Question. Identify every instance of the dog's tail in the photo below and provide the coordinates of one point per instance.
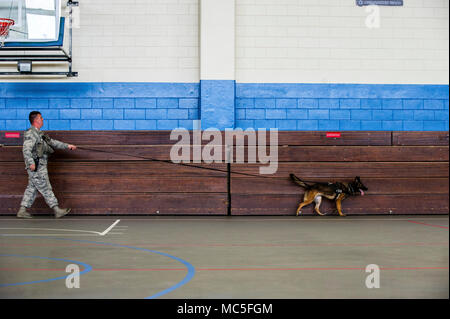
(298, 181)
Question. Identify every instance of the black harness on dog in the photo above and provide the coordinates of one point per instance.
(340, 188)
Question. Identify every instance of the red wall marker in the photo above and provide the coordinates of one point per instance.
(12, 135)
(334, 134)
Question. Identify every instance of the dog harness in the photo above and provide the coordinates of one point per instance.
(340, 188)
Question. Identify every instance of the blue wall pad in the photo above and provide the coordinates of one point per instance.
(217, 100)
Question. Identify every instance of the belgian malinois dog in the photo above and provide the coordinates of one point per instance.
(334, 191)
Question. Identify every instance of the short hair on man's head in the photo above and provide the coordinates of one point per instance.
(33, 116)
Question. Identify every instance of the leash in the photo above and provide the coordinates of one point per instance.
(170, 162)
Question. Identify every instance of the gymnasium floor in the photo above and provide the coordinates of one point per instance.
(225, 257)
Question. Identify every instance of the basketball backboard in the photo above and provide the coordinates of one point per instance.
(34, 20)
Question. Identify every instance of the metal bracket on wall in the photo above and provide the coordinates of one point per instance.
(60, 55)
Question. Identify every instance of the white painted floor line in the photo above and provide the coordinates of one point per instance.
(46, 235)
(89, 232)
(109, 228)
(52, 229)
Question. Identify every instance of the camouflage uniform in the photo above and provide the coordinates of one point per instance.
(38, 145)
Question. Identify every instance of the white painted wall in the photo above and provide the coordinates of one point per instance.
(134, 41)
(137, 40)
(297, 41)
(327, 41)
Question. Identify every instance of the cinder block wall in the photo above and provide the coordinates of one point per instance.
(327, 41)
(132, 57)
(104, 106)
(344, 107)
(137, 41)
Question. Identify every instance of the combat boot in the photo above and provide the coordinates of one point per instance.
(22, 213)
(60, 212)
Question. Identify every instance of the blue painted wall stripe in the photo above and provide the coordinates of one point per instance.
(343, 106)
(225, 104)
(217, 104)
(341, 91)
(98, 90)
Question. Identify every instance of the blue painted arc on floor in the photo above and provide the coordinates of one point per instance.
(87, 268)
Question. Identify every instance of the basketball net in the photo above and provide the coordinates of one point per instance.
(5, 24)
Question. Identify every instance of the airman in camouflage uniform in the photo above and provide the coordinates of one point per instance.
(37, 147)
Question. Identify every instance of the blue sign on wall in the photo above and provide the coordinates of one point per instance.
(379, 3)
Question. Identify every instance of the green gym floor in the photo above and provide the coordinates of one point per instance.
(224, 257)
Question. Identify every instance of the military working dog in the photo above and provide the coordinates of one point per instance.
(335, 191)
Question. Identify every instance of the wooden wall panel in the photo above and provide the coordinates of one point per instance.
(349, 153)
(278, 204)
(348, 170)
(101, 137)
(285, 154)
(100, 183)
(406, 173)
(377, 186)
(118, 168)
(420, 138)
(71, 183)
(128, 203)
(303, 138)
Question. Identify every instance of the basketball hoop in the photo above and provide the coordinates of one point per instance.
(4, 29)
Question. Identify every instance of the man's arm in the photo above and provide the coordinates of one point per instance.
(56, 144)
(59, 145)
(28, 143)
